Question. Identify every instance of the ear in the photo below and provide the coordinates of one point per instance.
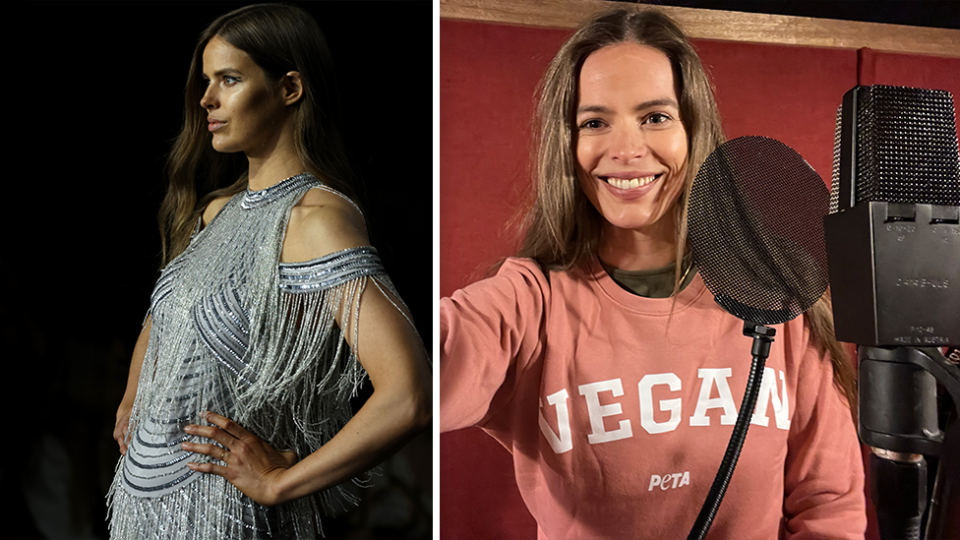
(292, 87)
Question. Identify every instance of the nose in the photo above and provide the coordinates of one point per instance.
(627, 142)
(209, 99)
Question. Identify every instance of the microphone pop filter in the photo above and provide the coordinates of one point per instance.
(755, 226)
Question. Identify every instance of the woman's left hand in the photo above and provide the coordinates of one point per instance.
(252, 465)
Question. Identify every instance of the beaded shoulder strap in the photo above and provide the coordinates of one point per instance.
(330, 270)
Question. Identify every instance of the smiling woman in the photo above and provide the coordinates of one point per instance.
(237, 421)
(631, 151)
(596, 357)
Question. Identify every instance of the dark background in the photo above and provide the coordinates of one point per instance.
(100, 92)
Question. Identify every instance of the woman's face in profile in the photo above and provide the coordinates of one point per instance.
(631, 144)
(245, 110)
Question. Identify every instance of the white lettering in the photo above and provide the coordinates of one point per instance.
(646, 403)
(654, 482)
(563, 442)
(768, 393)
(669, 481)
(676, 478)
(597, 411)
(710, 378)
(665, 482)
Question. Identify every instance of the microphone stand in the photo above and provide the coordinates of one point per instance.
(762, 336)
(901, 431)
(881, 256)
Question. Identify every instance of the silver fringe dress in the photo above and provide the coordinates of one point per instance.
(236, 332)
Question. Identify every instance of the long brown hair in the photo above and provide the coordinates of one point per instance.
(562, 227)
(279, 38)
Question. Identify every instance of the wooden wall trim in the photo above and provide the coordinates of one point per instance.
(720, 25)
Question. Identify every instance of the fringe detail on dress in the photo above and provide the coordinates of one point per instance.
(303, 374)
(209, 508)
(291, 386)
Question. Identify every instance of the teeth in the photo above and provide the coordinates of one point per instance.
(623, 183)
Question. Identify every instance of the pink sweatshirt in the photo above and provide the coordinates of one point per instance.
(617, 414)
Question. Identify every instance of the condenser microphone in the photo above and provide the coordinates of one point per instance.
(893, 250)
(893, 236)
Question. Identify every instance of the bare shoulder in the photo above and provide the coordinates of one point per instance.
(213, 208)
(320, 224)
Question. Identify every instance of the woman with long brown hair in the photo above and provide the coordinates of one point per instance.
(597, 358)
(270, 311)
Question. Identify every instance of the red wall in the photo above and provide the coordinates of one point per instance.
(488, 75)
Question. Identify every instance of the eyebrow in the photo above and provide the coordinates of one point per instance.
(642, 106)
(224, 71)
